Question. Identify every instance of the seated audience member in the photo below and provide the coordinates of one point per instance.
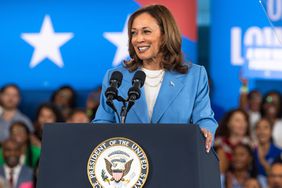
(10, 99)
(78, 116)
(15, 173)
(251, 103)
(29, 154)
(275, 175)
(46, 113)
(233, 130)
(65, 99)
(252, 183)
(265, 152)
(241, 168)
(271, 110)
(93, 102)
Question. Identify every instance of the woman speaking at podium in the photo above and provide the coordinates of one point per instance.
(173, 92)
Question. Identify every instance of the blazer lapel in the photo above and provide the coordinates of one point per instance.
(140, 106)
(169, 90)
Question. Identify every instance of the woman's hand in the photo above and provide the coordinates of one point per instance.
(208, 135)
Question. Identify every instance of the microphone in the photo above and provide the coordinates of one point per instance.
(134, 92)
(115, 81)
(112, 92)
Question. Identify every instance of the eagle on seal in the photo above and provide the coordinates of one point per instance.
(118, 169)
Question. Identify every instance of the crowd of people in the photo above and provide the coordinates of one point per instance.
(20, 137)
(248, 140)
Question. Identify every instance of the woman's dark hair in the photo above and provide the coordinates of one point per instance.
(266, 99)
(72, 100)
(223, 129)
(51, 107)
(172, 57)
(264, 119)
(269, 122)
(252, 170)
(29, 156)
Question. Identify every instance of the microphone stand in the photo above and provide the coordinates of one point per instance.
(123, 111)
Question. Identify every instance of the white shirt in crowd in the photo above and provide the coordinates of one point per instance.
(16, 173)
(277, 133)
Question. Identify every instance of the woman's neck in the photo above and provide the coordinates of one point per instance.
(265, 146)
(152, 64)
(235, 139)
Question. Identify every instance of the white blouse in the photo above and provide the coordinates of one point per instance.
(152, 87)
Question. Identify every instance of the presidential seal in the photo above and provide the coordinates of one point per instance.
(118, 163)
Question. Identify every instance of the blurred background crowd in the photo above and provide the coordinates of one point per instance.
(21, 136)
(248, 140)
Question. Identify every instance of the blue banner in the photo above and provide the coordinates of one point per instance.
(245, 43)
(48, 43)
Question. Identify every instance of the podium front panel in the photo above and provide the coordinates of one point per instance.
(176, 154)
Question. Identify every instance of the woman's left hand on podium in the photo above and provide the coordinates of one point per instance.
(208, 136)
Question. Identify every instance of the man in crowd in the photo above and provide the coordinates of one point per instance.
(14, 173)
(10, 99)
(275, 175)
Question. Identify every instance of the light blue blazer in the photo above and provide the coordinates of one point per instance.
(182, 99)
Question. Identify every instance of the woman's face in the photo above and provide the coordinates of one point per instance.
(241, 158)
(19, 134)
(263, 131)
(79, 117)
(63, 97)
(255, 101)
(46, 116)
(252, 183)
(270, 110)
(146, 37)
(238, 124)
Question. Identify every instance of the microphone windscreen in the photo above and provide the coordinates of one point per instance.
(140, 76)
(117, 76)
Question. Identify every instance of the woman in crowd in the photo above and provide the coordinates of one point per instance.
(242, 167)
(78, 116)
(233, 130)
(64, 99)
(271, 110)
(46, 113)
(252, 183)
(266, 151)
(251, 103)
